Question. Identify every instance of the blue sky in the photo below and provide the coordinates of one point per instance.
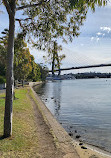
(93, 46)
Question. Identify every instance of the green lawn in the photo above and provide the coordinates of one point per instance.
(23, 142)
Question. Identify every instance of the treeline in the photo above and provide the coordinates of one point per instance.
(25, 67)
(92, 75)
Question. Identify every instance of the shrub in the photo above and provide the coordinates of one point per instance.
(2, 80)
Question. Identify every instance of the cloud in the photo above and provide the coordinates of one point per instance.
(99, 33)
(92, 38)
(82, 44)
(97, 39)
(107, 29)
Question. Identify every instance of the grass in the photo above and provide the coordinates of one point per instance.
(24, 142)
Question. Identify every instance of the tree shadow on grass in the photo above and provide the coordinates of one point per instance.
(2, 137)
(6, 137)
(2, 97)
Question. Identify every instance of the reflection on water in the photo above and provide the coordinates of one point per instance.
(57, 98)
(83, 106)
(51, 94)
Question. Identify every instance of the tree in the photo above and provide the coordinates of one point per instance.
(44, 71)
(35, 74)
(3, 52)
(2, 61)
(23, 65)
(45, 19)
(23, 61)
(53, 56)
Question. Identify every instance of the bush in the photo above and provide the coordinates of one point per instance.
(2, 80)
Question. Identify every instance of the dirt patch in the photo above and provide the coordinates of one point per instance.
(47, 147)
(93, 156)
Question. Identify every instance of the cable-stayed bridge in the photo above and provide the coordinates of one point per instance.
(82, 67)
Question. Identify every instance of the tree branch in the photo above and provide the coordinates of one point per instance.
(8, 7)
(23, 19)
(19, 20)
(31, 5)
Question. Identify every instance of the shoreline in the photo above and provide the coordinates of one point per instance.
(91, 151)
(99, 149)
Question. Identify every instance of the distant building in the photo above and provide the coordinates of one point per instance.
(2, 86)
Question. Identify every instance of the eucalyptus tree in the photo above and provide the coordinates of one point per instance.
(3, 52)
(53, 57)
(2, 61)
(42, 19)
(73, 17)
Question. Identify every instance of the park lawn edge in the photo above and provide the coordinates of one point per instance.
(24, 141)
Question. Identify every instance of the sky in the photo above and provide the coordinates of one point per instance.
(93, 46)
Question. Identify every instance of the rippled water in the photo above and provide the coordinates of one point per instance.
(83, 106)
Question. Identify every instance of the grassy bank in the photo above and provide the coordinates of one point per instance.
(24, 142)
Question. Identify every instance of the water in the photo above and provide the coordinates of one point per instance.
(83, 106)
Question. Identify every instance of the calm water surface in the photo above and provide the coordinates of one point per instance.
(83, 106)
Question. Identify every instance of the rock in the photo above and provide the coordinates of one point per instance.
(78, 136)
(52, 97)
(70, 134)
(93, 156)
(70, 126)
(80, 143)
(75, 131)
(83, 147)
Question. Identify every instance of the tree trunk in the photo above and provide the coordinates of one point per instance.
(9, 76)
(53, 64)
(58, 63)
(23, 83)
(59, 72)
(53, 60)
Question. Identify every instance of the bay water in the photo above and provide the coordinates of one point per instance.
(82, 106)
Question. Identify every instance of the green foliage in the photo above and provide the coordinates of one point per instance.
(2, 79)
(88, 3)
(44, 71)
(52, 20)
(35, 74)
(24, 65)
(53, 56)
(3, 53)
(56, 20)
(2, 70)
